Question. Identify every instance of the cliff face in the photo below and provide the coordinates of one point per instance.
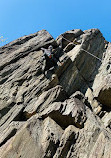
(65, 115)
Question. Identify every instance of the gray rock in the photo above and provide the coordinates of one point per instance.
(36, 139)
(96, 106)
(68, 138)
(107, 119)
(55, 94)
(91, 140)
(101, 149)
(70, 112)
(69, 35)
(102, 82)
(80, 79)
(14, 114)
(10, 131)
(21, 79)
(69, 47)
(50, 117)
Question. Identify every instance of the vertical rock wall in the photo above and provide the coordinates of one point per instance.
(65, 115)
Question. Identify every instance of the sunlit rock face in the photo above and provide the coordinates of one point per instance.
(64, 114)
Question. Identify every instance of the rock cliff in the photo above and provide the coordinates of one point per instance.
(64, 115)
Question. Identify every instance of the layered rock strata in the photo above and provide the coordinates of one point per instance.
(64, 115)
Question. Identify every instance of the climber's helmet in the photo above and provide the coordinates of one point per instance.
(50, 47)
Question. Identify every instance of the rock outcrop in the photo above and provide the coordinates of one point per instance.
(65, 114)
(102, 82)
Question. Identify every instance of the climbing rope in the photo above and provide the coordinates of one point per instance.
(83, 50)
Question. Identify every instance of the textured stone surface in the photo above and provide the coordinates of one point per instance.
(36, 139)
(89, 142)
(45, 99)
(10, 131)
(81, 78)
(64, 115)
(68, 138)
(70, 112)
(107, 120)
(96, 106)
(102, 147)
(69, 35)
(20, 75)
(102, 82)
(15, 114)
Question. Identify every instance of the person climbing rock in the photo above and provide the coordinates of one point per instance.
(48, 59)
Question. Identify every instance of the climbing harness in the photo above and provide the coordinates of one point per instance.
(83, 49)
(49, 55)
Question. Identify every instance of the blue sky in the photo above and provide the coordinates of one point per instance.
(22, 17)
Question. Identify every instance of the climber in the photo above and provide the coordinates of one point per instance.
(48, 59)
